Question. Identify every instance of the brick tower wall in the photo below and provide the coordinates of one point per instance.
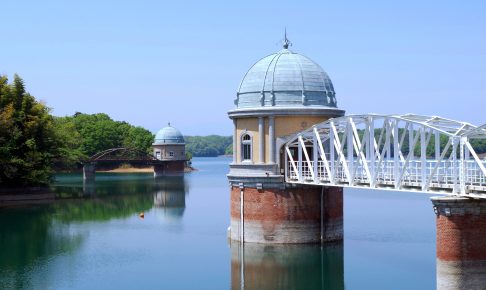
(291, 215)
(461, 243)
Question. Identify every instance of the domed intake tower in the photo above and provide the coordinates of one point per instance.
(169, 146)
(286, 79)
(281, 94)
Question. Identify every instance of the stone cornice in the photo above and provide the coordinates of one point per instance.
(455, 205)
(286, 111)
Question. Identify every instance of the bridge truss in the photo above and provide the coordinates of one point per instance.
(123, 154)
(397, 152)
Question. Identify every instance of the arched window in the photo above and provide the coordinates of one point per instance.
(246, 147)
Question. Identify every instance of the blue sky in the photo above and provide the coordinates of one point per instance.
(150, 62)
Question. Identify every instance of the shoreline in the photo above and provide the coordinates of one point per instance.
(141, 170)
(25, 196)
(35, 195)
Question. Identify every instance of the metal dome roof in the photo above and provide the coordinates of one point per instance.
(285, 79)
(168, 135)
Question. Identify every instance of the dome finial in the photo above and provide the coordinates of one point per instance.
(287, 42)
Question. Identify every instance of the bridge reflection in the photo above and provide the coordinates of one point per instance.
(167, 193)
(263, 266)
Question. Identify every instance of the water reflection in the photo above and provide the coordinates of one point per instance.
(31, 236)
(89, 187)
(71, 185)
(120, 195)
(260, 266)
(34, 235)
(170, 196)
(97, 240)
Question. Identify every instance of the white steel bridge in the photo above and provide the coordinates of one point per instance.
(373, 151)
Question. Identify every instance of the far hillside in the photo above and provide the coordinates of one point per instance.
(209, 146)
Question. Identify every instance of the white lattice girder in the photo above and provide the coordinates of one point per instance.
(375, 159)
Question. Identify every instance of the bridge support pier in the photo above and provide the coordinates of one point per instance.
(293, 215)
(461, 242)
(89, 170)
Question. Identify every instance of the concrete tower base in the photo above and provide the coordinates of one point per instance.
(304, 214)
(169, 168)
(461, 242)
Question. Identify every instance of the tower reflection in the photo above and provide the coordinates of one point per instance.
(263, 266)
(170, 196)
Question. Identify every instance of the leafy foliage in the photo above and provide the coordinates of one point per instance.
(84, 135)
(69, 151)
(28, 140)
(208, 146)
(479, 145)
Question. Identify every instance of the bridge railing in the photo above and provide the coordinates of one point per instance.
(349, 151)
(444, 177)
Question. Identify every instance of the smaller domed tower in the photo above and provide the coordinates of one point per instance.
(169, 146)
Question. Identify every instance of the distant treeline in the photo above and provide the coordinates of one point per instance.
(479, 145)
(209, 146)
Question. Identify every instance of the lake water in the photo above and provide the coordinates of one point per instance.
(96, 239)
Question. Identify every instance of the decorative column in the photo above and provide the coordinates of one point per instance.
(271, 138)
(461, 242)
(234, 141)
(261, 138)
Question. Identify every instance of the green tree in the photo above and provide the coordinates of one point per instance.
(188, 155)
(136, 137)
(69, 149)
(98, 132)
(83, 135)
(27, 137)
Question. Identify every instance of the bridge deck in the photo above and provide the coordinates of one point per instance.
(340, 153)
(445, 181)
